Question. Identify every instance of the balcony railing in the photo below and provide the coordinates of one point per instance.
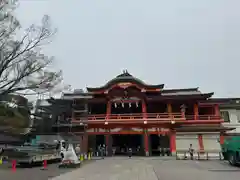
(203, 117)
(149, 117)
(135, 116)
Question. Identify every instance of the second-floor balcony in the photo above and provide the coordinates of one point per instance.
(149, 118)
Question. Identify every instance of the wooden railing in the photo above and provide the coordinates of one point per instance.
(150, 117)
(203, 117)
(136, 116)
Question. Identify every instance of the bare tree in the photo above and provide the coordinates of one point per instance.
(23, 67)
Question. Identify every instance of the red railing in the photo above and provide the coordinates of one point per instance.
(149, 117)
(136, 116)
(203, 117)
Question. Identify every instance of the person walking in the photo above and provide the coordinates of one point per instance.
(130, 152)
(102, 152)
(191, 151)
(114, 151)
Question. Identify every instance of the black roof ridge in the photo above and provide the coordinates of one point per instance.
(200, 94)
(225, 98)
(181, 89)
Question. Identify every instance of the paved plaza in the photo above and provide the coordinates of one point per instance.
(122, 168)
(137, 168)
(34, 173)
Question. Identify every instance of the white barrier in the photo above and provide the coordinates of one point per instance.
(199, 155)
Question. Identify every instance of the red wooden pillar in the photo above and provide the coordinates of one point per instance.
(196, 112)
(146, 142)
(200, 142)
(144, 109)
(216, 110)
(221, 138)
(106, 139)
(169, 110)
(173, 142)
(108, 142)
(145, 135)
(109, 109)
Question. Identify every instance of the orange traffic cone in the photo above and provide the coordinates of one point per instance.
(44, 165)
(14, 164)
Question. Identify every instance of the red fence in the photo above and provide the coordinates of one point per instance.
(149, 117)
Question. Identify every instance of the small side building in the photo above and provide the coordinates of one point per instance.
(230, 112)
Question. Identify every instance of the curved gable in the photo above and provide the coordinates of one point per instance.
(125, 80)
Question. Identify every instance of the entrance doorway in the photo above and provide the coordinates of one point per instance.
(160, 145)
(121, 143)
(100, 140)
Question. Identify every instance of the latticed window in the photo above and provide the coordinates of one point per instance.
(225, 116)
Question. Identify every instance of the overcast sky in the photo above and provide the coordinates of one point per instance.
(181, 43)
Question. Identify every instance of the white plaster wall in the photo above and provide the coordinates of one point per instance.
(234, 116)
(183, 141)
(211, 142)
(212, 145)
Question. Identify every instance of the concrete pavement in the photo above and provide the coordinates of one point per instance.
(122, 168)
(197, 170)
(34, 173)
(114, 168)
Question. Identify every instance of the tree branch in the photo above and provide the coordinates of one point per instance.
(22, 65)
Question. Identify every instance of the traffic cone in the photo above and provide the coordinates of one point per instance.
(81, 157)
(44, 165)
(14, 164)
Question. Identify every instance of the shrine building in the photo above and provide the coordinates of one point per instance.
(126, 112)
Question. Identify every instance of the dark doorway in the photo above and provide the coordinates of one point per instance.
(155, 144)
(100, 140)
(121, 143)
(160, 145)
(92, 142)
